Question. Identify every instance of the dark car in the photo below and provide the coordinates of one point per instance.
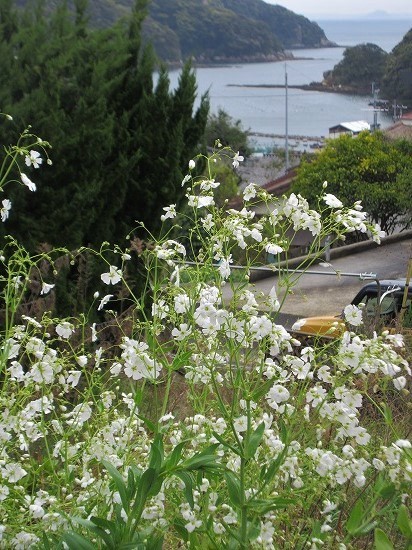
(381, 303)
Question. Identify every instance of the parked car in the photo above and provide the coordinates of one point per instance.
(381, 303)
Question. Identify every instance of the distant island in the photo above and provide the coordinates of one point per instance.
(363, 65)
(366, 63)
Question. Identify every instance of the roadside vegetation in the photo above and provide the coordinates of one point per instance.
(375, 170)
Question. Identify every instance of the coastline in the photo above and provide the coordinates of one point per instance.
(312, 87)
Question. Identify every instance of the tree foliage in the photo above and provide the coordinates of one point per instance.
(397, 82)
(120, 140)
(368, 167)
(361, 65)
(229, 132)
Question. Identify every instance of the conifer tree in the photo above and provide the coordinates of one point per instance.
(120, 143)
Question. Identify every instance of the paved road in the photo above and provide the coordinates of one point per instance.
(329, 294)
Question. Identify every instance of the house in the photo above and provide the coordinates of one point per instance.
(402, 129)
(406, 119)
(351, 128)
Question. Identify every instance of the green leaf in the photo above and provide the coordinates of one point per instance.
(149, 424)
(99, 530)
(381, 541)
(387, 491)
(181, 359)
(175, 456)
(233, 487)
(254, 441)
(144, 486)
(119, 484)
(106, 524)
(270, 473)
(77, 542)
(387, 414)
(263, 506)
(207, 457)
(283, 430)
(404, 522)
(156, 453)
(181, 530)
(261, 390)
(154, 543)
(226, 444)
(366, 528)
(188, 481)
(355, 518)
(253, 530)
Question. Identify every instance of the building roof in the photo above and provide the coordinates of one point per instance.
(399, 130)
(356, 126)
(407, 116)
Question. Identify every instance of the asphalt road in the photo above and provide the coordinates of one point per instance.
(314, 294)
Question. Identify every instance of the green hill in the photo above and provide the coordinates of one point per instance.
(213, 30)
(361, 65)
(397, 79)
(366, 63)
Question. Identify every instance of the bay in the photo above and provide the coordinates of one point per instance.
(310, 113)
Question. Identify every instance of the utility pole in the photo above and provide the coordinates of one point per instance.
(375, 111)
(286, 122)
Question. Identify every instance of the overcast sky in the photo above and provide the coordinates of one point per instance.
(315, 8)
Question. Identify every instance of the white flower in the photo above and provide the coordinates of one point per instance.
(249, 192)
(273, 248)
(399, 382)
(13, 472)
(4, 493)
(46, 288)
(5, 209)
(297, 325)
(377, 233)
(36, 511)
(42, 372)
(332, 201)
(224, 267)
(33, 159)
(192, 164)
(94, 332)
(104, 301)
(200, 202)
(353, 315)
(113, 276)
(73, 378)
(277, 394)
(272, 300)
(65, 329)
(27, 182)
(81, 360)
(182, 332)
(236, 159)
(115, 369)
(170, 212)
(240, 424)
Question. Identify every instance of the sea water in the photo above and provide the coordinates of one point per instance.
(311, 114)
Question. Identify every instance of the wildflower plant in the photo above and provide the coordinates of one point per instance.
(206, 424)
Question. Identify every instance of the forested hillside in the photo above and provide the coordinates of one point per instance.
(361, 65)
(212, 30)
(397, 80)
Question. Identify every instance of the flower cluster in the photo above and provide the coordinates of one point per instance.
(206, 420)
